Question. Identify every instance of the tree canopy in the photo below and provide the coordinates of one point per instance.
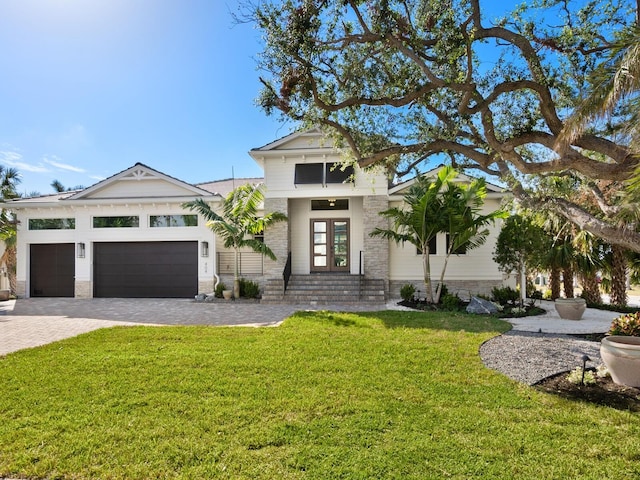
(402, 83)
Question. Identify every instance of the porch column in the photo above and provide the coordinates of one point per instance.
(276, 237)
(376, 249)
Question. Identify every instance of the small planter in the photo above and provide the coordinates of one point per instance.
(226, 294)
(5, 295)
(571, 308)
(621, 355)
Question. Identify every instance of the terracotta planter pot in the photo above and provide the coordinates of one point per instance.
(571, 308)
(621, 355)
(226, 294)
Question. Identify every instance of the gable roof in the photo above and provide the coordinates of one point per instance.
(462, 178)
(141, 173)
(276, 144)
(225, 186)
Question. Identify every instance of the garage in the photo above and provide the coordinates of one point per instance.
(145, 269)
(52, 270)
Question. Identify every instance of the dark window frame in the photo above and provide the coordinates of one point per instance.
(171, 220)
(52, 223)
(111, 221)
(433, 247)
(308, 174)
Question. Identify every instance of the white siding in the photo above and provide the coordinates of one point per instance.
(477, 264)
(129, 188)
(279, 179)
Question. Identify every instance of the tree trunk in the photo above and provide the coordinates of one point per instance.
(567, 280)
(426, 266)
(554, 282)
(590, 288)
(618, 276)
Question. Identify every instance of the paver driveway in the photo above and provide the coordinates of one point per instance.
(37, 321)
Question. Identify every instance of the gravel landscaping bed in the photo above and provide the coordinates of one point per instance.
(530, 357)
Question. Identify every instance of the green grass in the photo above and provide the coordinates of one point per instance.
(326, 395)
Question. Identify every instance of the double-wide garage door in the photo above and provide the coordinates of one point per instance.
(145, 269)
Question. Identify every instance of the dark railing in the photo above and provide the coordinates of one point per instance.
(361, 274)
(286, 274)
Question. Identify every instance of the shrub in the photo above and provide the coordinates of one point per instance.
(249, 289)
(219, 288)
(407, 292)
(505, 295)
(450, 302)
(628, 324)
(443, 292)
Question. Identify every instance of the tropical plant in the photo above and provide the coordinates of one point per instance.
(237, 222)
(628, 324)
(520, 245)
(9, 179)
(249, 288)
(402, 83)
(407, 292)
(439, 205)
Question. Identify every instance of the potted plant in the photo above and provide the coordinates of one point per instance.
(620, 350)
(571, 308)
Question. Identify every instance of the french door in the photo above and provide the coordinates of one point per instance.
(330, 245)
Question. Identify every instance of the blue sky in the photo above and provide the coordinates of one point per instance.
(90, 87)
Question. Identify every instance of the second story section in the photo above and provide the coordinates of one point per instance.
(306, 164)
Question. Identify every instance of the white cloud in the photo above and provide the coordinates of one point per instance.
(97, 177)
(14, 159)
(54, 162)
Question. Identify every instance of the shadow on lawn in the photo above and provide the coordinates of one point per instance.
(438, 320)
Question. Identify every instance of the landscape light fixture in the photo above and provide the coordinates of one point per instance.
(585, 359)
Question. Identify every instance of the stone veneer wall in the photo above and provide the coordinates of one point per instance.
(205, 286)
(83, 289)
(463, 288)
(276, 237)
(21, 289)
(376, 249)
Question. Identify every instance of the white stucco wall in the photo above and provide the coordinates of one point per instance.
(85, 233)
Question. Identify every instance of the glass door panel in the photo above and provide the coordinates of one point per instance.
(329, 245)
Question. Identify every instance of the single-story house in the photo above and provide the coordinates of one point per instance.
(128, 235)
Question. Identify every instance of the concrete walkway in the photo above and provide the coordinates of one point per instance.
(593, 321)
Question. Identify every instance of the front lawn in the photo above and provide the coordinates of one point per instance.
(326, 395)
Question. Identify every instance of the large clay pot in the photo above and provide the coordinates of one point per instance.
(571, 308)
(227, 294)
(621, 355)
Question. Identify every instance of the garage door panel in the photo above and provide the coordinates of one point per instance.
(52, 270)
(146, 269)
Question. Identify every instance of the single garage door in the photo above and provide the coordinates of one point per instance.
(145, 269)
(52, 270)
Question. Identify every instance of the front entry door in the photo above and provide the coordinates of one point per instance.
(330, 245)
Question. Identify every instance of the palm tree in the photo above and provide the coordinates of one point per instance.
(238, 221)
(615, 79)
(9, 179)
(439, 205)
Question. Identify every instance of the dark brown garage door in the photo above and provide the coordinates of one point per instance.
(52, 270)
(145, 269)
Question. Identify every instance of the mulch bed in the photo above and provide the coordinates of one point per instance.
(603, 392)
